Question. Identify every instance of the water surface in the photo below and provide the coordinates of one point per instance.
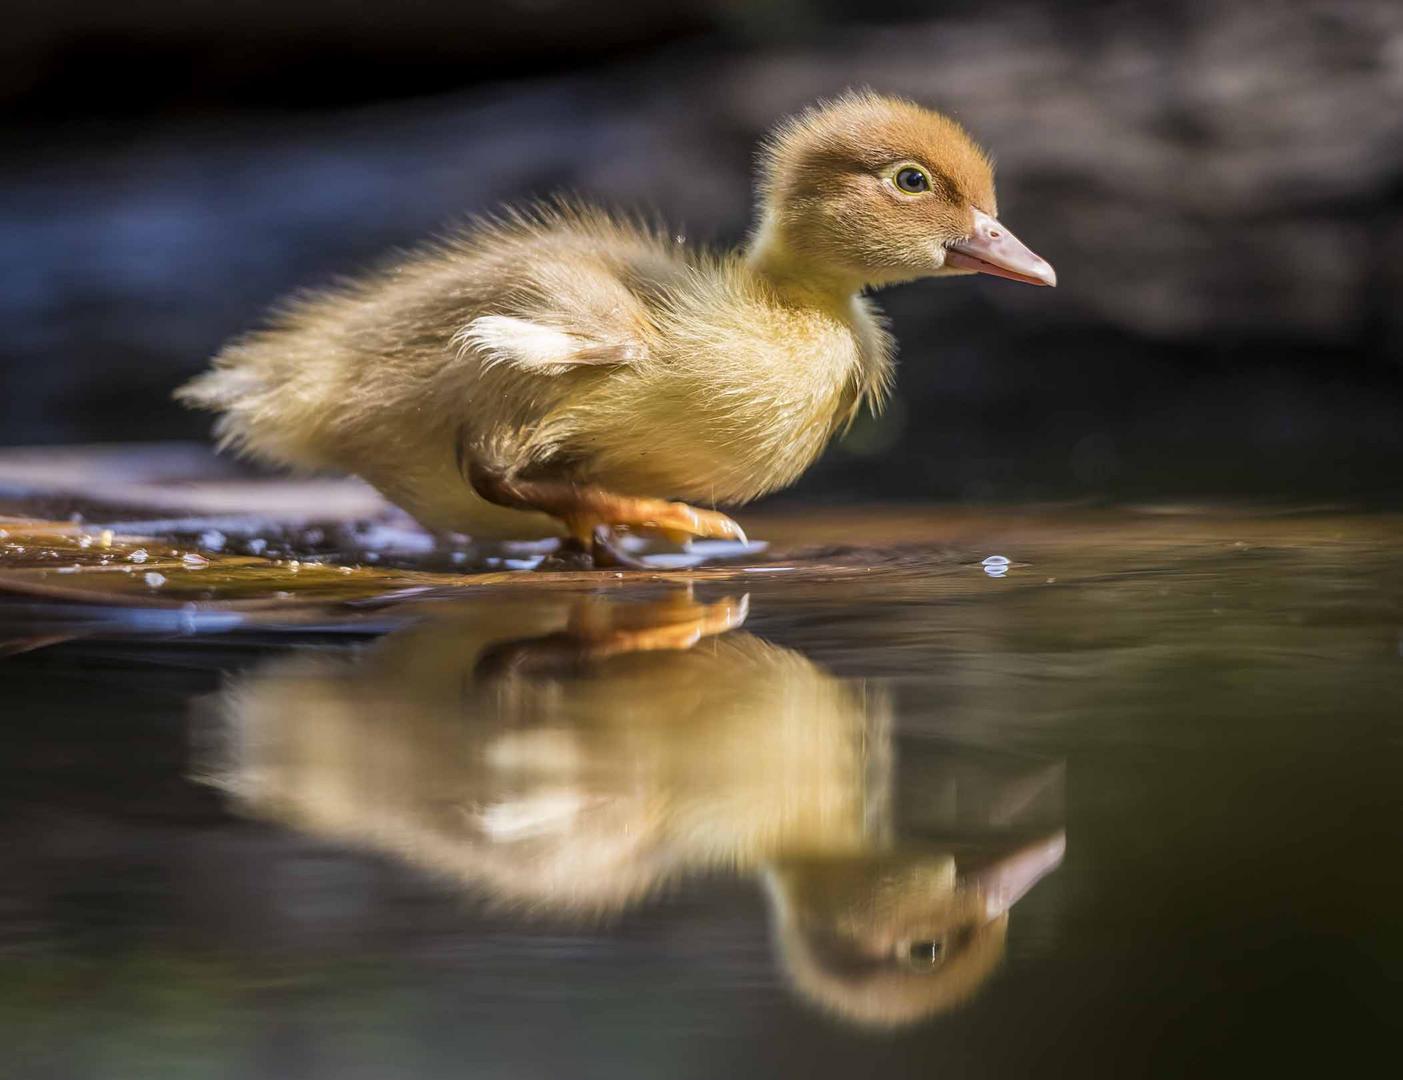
(868, 804)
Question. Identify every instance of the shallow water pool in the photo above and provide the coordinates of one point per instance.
(1126, 802)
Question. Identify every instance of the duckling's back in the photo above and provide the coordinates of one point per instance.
(337, 371)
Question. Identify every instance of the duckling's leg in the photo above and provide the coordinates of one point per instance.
(585, 507)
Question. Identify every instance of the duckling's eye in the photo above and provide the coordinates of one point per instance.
(924, 953)
(912, 180)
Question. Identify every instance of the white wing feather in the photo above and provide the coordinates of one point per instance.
(534, 346)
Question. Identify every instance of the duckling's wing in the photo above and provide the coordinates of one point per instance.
(537, 345)
(571, 287)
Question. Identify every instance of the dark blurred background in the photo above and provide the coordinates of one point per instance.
(1220, 186)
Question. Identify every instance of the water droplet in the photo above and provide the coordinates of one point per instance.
(155, 580)
(193, 561)
(105, 537)
(256, 547)
(212, 540)
(138, 556)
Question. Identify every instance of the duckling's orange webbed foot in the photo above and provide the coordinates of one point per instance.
(586, 509)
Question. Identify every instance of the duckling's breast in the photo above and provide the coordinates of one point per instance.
(736, 402)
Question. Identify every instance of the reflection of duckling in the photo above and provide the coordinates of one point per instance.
(573, 761)
(891, 938)
(557, 371)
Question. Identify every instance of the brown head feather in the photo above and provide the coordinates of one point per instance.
(827, 186)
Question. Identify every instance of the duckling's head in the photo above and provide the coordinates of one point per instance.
(871, 190)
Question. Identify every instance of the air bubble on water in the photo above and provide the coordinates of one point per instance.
(138, 556)
(192, 561)
(155, 580)
(995, 560)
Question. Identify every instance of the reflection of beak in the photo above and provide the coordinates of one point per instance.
(1005, 882)
(994, 250)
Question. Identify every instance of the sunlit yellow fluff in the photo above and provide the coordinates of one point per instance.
(565, 342)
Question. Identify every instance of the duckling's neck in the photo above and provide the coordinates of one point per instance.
(794, 277)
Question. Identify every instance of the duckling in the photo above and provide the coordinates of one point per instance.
(563, 371)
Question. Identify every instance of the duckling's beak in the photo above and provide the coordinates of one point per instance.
(994, 250)
(1004, 883)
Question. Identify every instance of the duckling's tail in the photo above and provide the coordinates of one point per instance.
(253, 419)
(219, 388)
(232, 391)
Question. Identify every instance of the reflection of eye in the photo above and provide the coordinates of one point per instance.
(912, 180)
(924, 953)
